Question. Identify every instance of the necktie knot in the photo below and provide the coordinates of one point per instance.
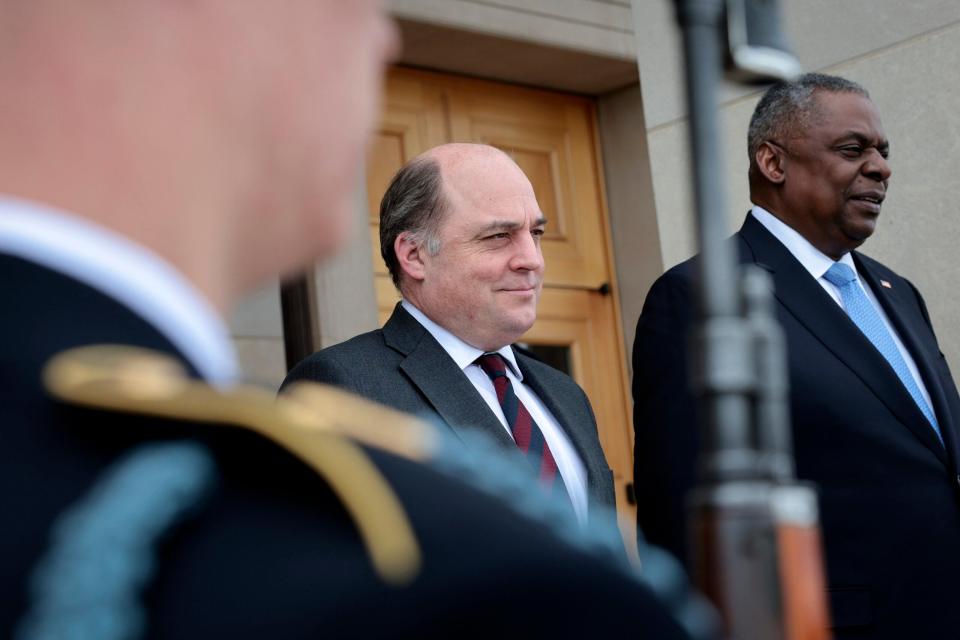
(493, 365)
(840, 274)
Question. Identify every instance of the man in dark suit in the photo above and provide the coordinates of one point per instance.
(157, 159)
(874, 407)
(460, 233)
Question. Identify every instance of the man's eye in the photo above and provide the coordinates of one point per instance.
(498, 236)
(537, 232)
(851, 150)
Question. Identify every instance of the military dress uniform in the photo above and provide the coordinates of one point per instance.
(140, 501)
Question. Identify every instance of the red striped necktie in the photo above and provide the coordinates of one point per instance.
(525, 431)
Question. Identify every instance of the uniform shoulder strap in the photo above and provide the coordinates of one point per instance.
(322, 431)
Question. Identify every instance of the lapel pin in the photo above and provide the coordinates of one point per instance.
(886, 284)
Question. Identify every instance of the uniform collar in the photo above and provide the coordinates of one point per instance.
(127, 272)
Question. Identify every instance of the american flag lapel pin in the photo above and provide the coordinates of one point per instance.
(884, 283)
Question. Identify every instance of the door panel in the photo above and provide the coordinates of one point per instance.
(550, 137)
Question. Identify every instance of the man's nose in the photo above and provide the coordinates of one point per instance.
(877, 167)
(528, 256)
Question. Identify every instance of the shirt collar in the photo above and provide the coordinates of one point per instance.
(813, 260)
(126, 271)
(462, 353)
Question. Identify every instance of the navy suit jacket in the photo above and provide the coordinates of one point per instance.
(889, 492)
(404, 367)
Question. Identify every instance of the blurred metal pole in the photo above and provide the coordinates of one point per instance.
(723, 372)
(754, 530)
(733, 539)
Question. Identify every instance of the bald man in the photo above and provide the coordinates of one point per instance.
(460, 233)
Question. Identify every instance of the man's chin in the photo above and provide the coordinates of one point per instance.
(856, 236)
(521, 326)
(518, 324)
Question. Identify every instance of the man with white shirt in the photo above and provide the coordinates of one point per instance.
(158, 159)
(460, 232)
(874, 408)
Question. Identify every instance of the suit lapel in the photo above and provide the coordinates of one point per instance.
(899, 303)
(567, 413)
(441, 382)
(805, 299)
(576, 424)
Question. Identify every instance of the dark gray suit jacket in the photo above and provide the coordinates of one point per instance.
(404, 367)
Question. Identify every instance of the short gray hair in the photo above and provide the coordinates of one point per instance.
(413, 203)
(789, 107)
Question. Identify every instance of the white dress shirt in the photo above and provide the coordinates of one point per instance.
(569, 465)
(125, 271)
(817, 263)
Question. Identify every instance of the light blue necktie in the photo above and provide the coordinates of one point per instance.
(865, 316)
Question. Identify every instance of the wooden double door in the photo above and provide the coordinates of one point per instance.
(552, 137)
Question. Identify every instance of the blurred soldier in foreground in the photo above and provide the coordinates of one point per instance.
(157, 159)
(873, 405)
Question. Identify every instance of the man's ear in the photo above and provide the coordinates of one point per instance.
(410, 255)
(771, 162)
